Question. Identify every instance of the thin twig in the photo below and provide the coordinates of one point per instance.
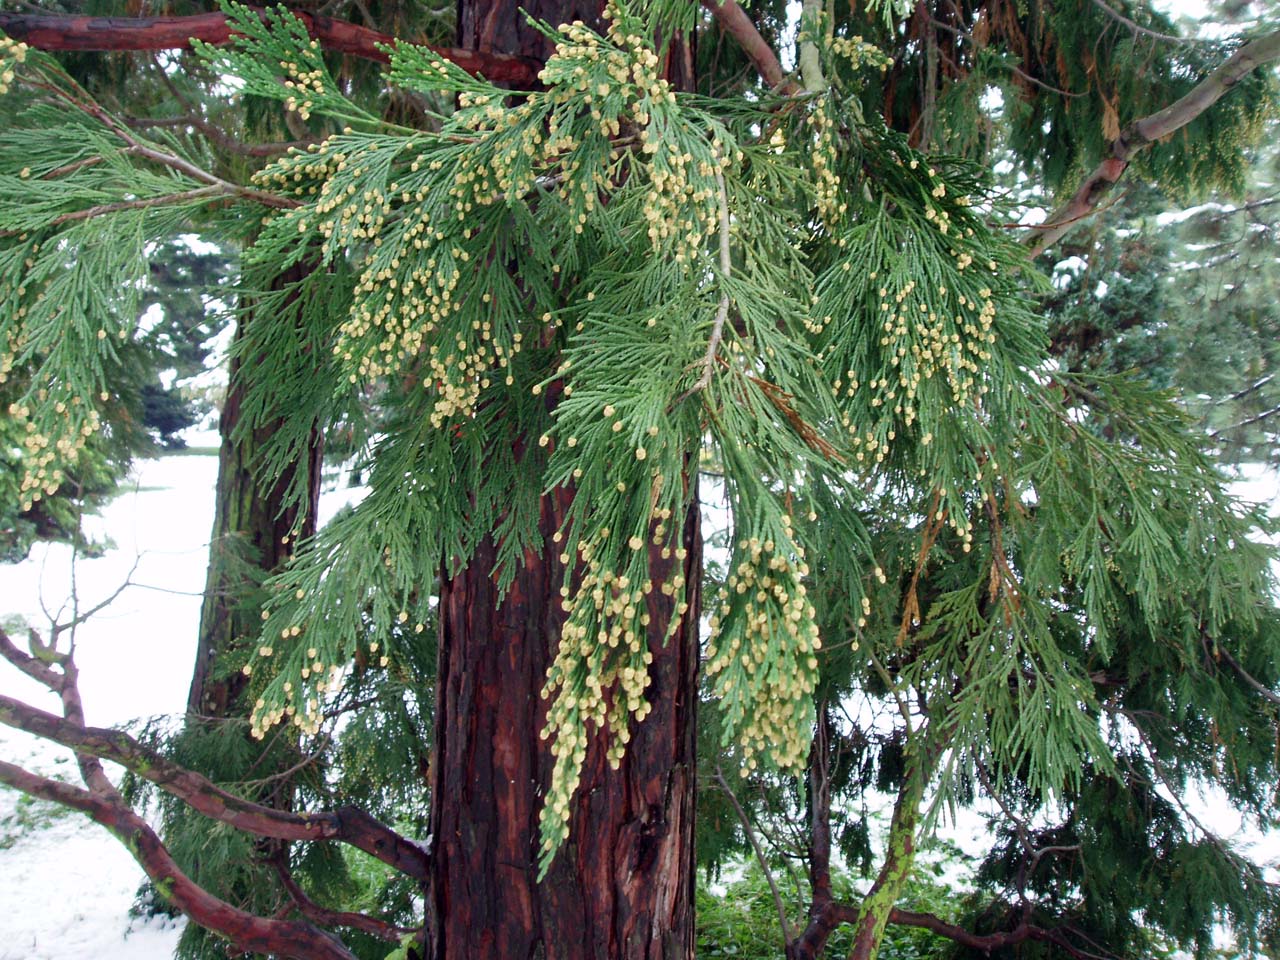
(722, 311)
(1248, 422)
(764, 866)
(1138, 28)
(199, 193)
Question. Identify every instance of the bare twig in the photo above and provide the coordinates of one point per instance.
(722, 311)
(1138, 28)
(334, 918)
(764, 864)
(1247, 422)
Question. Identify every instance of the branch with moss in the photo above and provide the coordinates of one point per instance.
(349, 824)
(1142, 133)
(249, 933)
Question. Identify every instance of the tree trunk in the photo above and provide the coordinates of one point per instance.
(622, 886)
(252, 537)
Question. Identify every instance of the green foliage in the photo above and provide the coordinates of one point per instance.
(373, 753)
(977, 568)
(740, 919)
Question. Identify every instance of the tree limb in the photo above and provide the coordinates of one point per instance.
(764, 864)
(984, 942)
(1247, 422)
(249, 933)
(348, 824)
(735, 22)
(1141, 133)
(334, 918)
(59, 33)
(1139, 28)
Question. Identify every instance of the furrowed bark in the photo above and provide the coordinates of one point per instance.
(622, 886)
(58, 33)
(1141, 133)
(249, 933)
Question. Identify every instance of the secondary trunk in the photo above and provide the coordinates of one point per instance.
(252, 536)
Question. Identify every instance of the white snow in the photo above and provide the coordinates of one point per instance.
(67, 889)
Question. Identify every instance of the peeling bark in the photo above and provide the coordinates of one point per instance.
(622, 887)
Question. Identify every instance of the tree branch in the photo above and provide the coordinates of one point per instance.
(348, 824)
(760, 857)
(220, 138)
(1141, 133)
(334, 918)
(249, 933)
(58, 33)
(186, 196)
(1247, 422)
(983, 942)
(735, 22)
(1138, 28)
(64, 685)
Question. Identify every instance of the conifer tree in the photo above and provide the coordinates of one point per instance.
(577, 282)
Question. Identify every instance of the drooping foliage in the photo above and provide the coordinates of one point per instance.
(1013, 573)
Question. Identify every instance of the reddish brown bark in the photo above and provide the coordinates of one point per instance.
(53, 33)
(622, 887)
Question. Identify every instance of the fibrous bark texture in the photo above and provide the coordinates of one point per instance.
(622, 886)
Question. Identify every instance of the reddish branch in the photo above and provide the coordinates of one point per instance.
(735, 22)
(334, 918)
(1142, 133)
(831, 914)
(63, 683)
(57, 33)
(249, 933)
(347, 824)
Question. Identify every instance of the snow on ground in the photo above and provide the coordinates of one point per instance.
(67, 889)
